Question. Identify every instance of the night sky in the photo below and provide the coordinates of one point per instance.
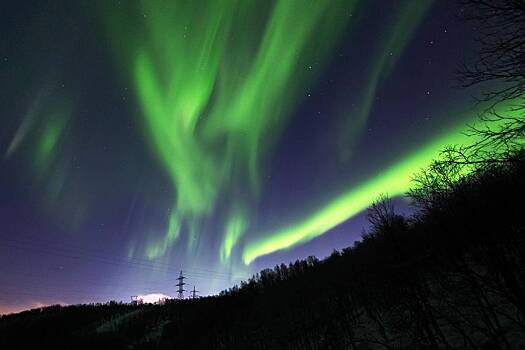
(217, 137)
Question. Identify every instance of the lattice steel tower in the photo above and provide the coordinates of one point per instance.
(181, 285)
(194, 293)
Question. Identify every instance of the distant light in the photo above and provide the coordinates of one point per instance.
(153, 297)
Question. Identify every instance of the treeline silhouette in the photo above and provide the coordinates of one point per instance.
(452, 276)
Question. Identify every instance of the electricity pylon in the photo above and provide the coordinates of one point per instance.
(194, 293)
(181, 284)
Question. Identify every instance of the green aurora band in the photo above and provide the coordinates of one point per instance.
(217, 82)
(41, 140)
(49, 140)
(394, 181)
(234, 229)
(408, 17)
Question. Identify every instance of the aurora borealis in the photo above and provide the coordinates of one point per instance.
(211, 115)
(217, 137)
(393, 181)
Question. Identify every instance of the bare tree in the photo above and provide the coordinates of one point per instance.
(500, 71)
(381, 213)
(501, 27)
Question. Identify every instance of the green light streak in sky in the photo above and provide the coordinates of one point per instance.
(394, 181)
(25, 127)
(42, 141)
(44, 124)
(217, 81)
(234, 230)
(48, 141)
(171, 236)
(403, 27)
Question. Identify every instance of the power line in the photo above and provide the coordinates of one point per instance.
(39, 292)
(102, 259)
(90, 282)
(30, 240)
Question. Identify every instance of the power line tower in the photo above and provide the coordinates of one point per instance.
(181, 284)
(194, 293)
